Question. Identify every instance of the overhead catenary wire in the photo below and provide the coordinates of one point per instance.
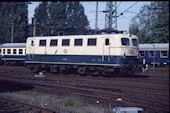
(128, 9)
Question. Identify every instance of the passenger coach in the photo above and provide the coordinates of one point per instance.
(13, 53)
(84, 53)
(157, 53)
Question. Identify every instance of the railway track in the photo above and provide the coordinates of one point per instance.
(12, 106)
(143, 92)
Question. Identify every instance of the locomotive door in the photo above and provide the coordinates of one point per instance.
(106, 50)
(31, 49)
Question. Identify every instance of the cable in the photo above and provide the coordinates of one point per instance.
(128, 8)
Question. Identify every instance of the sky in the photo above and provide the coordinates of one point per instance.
(123, 21)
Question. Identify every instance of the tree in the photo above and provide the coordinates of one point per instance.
(42, 18)
(61, 16)
(152, 23)
(17, 13)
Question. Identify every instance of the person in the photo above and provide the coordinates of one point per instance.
(144, 67)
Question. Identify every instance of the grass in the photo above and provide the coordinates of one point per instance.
(69, 104)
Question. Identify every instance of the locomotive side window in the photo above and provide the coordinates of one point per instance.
(151, 54)
(134, 42)
(0, 51)
(53, 42)
(125, 41)
(164, 54)
(65, 42)
(42, 43)
(78, 42)
(106, 41)
(92, 42)
(141, 53)
(14, 51)
(20, 51)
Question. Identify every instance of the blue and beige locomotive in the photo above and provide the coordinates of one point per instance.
(13, 53)
(107, 54)
(157, 53)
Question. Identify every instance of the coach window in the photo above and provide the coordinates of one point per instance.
(42, 43)
(125, 41)
(134, 42)
(151, 54)
(14, 51)
(53, 42)
(92, 42)
(107, 41)
(78, 42)
(141, 53)
(8, 51)
(3, 51)
(164, 53)
(65, 42)
(20, 51)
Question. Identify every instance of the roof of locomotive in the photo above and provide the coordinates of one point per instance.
(127, 35)
(157, 46)
(13, 45)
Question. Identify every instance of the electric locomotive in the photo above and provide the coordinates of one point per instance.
(107, 54)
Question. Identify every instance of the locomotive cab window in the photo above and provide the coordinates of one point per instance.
(32, 43)
(134, 42)
(107, 41)
(42, 43)
(53, 42)
(20, 51)
(141, 53)
(65, 42)
(78, 42)
(151, 54)
(164, 53)
(125, 41)
(92, 42)
(14, 51)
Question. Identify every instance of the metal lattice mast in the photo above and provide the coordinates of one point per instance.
(111, 16)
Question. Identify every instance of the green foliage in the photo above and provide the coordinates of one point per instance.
(60, 16)
(151, 25)
(17, 13)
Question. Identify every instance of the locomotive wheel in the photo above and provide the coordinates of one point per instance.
(54, 69)
(35, 68)
(82, 70)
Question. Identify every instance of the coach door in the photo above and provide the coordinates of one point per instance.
(31, 49)
(106, 49)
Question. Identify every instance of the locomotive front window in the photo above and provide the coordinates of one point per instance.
(42, 43)
(92, 42)
(164, 53)
(53, 42)
(78, 42)
(8, 51)
(125, 41)
(14, 51)
(20, 51)
(134, 42)
(65, 42)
